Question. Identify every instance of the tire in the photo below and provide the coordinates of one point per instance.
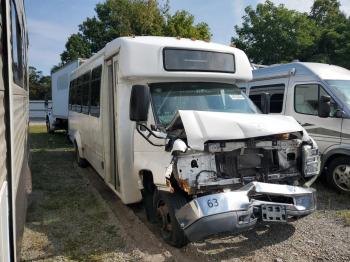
(148, 203)
(166, 204)
(48, 127)
(80, 161)
(338, 174)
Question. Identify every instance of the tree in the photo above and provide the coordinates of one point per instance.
(334, 27)
(76, 47)
(116, 18)
(39, 85)
(273, 34)
(182, 24)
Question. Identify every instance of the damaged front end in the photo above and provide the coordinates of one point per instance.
(234, 182)
(241, 209)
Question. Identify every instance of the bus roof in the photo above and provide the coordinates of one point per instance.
(319, 70)
(142, 57)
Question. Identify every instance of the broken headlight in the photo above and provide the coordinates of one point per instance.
(311, 161)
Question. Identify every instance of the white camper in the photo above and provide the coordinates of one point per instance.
(15, 181)
(161, 120)
(57, 115)
(318, 97)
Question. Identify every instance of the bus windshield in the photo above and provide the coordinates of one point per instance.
(168, 98)
(342, 89)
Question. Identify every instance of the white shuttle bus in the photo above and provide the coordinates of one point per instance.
(318, 97)
(161, 120)
(15, 182)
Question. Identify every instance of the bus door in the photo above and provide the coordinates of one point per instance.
(113, 174)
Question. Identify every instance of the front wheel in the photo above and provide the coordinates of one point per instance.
(166, 204)
(338, 174)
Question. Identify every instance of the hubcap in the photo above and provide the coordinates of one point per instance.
(341, 177)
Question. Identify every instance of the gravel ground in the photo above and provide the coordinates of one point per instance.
(73, 216)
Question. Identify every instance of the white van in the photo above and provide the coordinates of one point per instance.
(160, 119)
(57, 115)
(318, 97)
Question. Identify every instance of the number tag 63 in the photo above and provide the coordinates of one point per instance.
(212, 203)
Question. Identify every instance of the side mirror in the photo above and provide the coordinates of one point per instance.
(324, 107)
(139, 103)
(265, 103)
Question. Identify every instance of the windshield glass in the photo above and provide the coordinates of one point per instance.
(168, 98)
(342, 89)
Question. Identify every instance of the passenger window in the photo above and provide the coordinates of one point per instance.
(306, 99)
(17, 47)
(256, 100)
(95, 91)
(276, 103)
(78, 95)
(85, 93)
(334, 106)
(276, 96)
(70, 95)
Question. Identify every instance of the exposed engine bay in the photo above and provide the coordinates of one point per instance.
(283, 158)
(233, 164)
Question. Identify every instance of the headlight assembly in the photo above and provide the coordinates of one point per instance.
(311, 161)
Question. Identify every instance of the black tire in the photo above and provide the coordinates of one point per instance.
(49, 130)
(166, 204)
(80, 161)
(338, 174)
(147, 198)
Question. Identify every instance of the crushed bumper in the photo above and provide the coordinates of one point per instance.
(240, 210)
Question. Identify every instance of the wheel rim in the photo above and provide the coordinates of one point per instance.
(341, 177)
(164, 219)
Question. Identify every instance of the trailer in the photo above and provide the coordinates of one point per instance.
(57, 114)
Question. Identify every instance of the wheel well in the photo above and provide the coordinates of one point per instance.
(147, 180)
(332, 157)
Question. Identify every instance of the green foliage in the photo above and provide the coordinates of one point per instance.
(181, 24)
(274, 34)
(39, 85)
(116, 18)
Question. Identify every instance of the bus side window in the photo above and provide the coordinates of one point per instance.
(85, 92)
(78, 94)
(17, 47)
(95, 91)
(70, 95)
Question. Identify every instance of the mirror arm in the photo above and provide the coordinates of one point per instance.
(150, 133)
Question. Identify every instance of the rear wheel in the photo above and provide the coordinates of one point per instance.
(80, 161)
(338, 174)
(49, 127)
(166, 204)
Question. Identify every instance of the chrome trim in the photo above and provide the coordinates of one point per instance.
(238, 210)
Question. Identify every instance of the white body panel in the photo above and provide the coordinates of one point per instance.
(201, 127)
(14, 121)
(4, 224)
(110, 141)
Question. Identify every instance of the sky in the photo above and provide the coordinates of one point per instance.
(51, 22)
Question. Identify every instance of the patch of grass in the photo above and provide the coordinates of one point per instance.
(65, 212)
(345, 215)
(40, 140)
